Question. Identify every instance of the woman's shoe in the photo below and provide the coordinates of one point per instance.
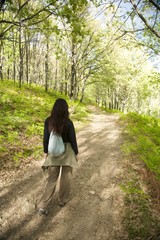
(42, 212)
(61, 204)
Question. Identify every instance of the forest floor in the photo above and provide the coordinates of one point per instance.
(96, 208)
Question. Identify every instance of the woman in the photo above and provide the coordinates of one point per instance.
(60, 123)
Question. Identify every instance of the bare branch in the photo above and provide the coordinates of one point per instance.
(116, 10)
(155, 20)
(6, 30)
(34, 15)
(155, 4)
(10, 22)
(144, 20)
(42, 19)
(119, 28)
(22, 6)
(129, 31)
(23, 20)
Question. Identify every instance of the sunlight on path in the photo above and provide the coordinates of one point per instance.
(96, 207)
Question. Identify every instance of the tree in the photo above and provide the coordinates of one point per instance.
(123, 81)
(151, 3)
(60, 45)
(141, 19)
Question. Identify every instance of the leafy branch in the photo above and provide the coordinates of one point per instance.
(23, 20)
(144, 20)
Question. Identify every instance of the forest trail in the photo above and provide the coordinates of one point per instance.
(95, 209)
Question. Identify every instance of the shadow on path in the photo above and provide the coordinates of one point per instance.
(93, 213)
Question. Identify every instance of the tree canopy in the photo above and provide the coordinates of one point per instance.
(105, 51)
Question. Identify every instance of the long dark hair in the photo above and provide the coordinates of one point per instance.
(59, 116)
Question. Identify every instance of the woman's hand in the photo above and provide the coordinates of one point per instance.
(77, 158)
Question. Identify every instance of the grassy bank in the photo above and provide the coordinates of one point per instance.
(143, 135)
(141, 182)
(22, 115)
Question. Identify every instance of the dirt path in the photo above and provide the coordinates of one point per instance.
(96, 206)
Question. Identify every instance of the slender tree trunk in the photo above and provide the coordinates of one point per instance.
(20, 57)
(56, 76)
(75, 90)
(1, 52)
(33, 79)
(46, 67)
(1, 60)
(27, 57)
(109, 98)
(112, 100)
(73, 71)
(8, 69)
(72, 81)
(29, 61)
(83, 90)
(66, 86)
(115, 102)
(14, 57)
(98, 97)
(62, 85)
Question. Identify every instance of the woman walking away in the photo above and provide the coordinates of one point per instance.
(59, 133)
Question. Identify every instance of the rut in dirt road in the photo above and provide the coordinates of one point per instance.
(95, 209)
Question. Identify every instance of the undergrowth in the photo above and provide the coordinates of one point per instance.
(111, 110)
(22, 115)
(141, 220)
(142, 149)
(143, 139)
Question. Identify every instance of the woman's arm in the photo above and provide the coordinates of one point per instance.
(46, 135)
(72, 137)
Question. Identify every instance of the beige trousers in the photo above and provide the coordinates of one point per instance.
(65, 185)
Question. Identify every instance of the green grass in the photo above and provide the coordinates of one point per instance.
(140, 220)
(141, 148)
(111, 110)
(22, 115)
(143, 139)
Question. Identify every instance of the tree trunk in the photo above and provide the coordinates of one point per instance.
(61, 79)
(33, 79)
(8, 70)
(46, 68)
(14, 57)
(20, 57)
(1, 60)
(27, 57)
(73, 71)
(66, 86)
(83, 89)
(56, 76)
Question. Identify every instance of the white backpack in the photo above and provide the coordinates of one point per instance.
(56, 145)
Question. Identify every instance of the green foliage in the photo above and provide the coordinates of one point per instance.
(143, 139)
(80, 112)
(110, 110)
(22, 115)
(142, 142)
(139, 220)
